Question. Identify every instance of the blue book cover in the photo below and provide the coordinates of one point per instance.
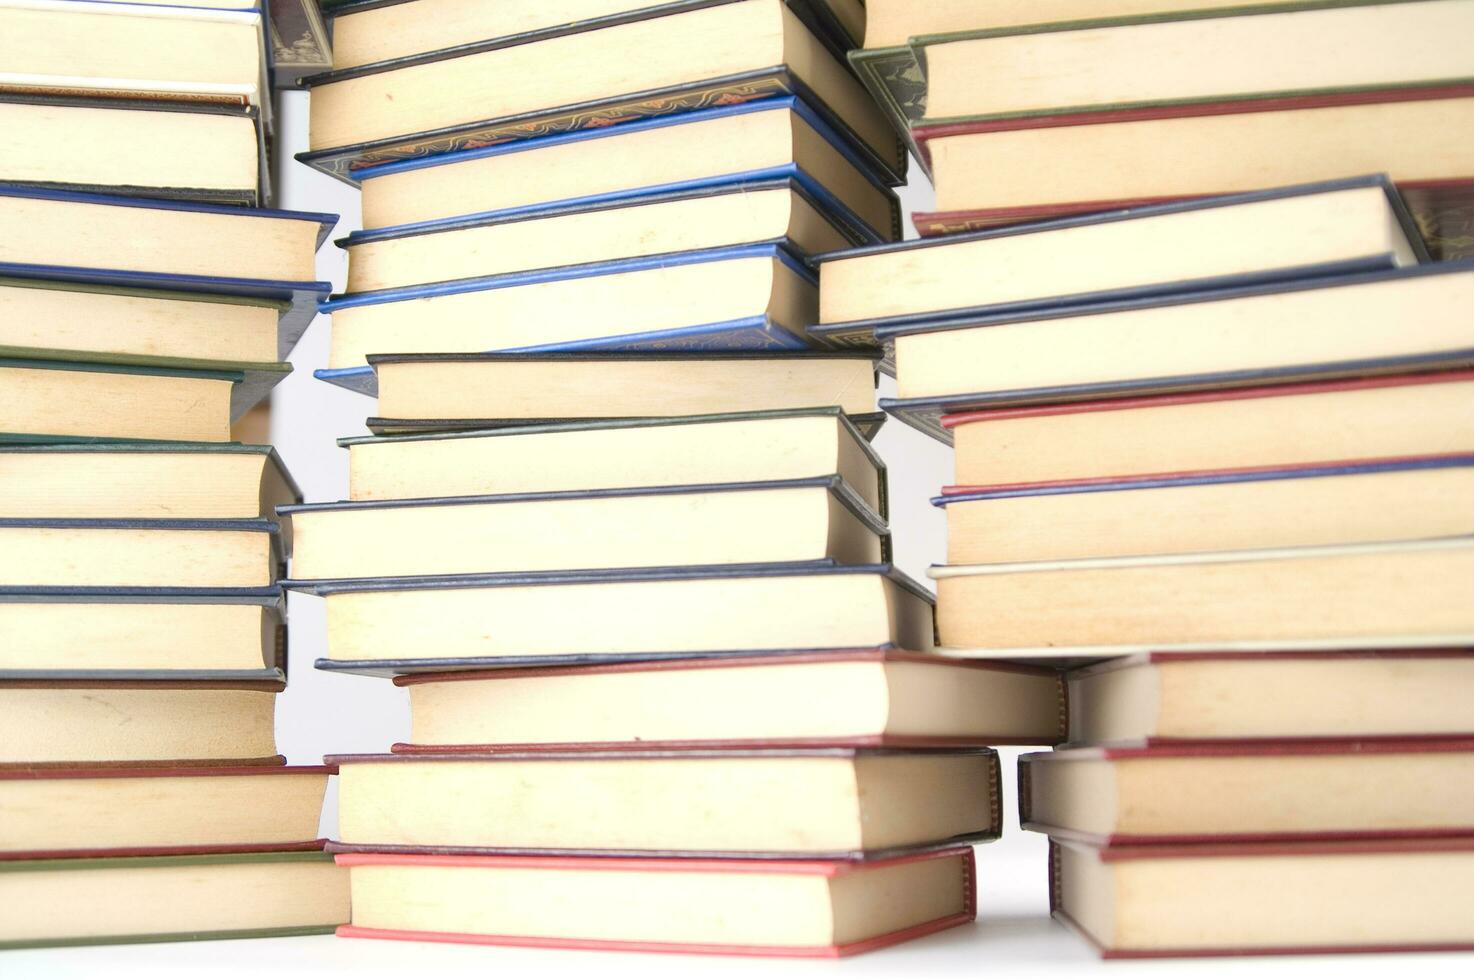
(755, 333)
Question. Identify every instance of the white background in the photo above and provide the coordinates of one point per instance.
(323, 714)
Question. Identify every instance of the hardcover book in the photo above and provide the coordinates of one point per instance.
(120, 811)
(152, 898)
(1267, 899)
(816, 519)
(655, 905)
(882, 698)
(301, 42)
(568, 618)
(815, 802)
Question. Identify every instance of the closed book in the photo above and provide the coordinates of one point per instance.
(1170, 513)
(1304, 231)
(161, 898)
(814, 802)
(652, 905)
(749, 49)
(1266, 899)
(1105, 161)
(1242, 792)
(1254, 696)
(818, 519)
(744, 298)
(880, 697)
(81, 632)
(619, 616)
(764, 139)
(620, 453)
(161, 718)
(1289, 426)
(1356, 596)
(120, 811)
(301, 43)
(1315, 329)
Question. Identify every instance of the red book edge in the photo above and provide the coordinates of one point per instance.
(123, 771)
(122, 852)
(827, 742)
(956, 419)
(828, 869)
(641, 750)
(1148, 658)
(1114, 841)
(1230, 748)
(123, 768)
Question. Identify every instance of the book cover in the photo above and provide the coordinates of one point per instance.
(924, 414)
(300, 41)
(823, 869)
(896, 82)
(867, 424)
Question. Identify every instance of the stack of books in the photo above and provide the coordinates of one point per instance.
(142, 794)
(1029, 110)
(632, 566)
(1209, 460)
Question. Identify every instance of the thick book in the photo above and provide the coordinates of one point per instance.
(833, 803)
(765, 139)
(126, 634)
(481, 391)
(816, 519)
(1355, 596)
(883, 698)
(150, 719)
(751, 49)
(654, 905)
(562, 618)
(728, 299)
(1318, 329)
(1106, 161)
(1221, 510)
(1239, 792)
(121, 811)
(162, 898)
(1311, 897)
(1275, 698)
(1305, 231)
(783, 444)
(1294, 425)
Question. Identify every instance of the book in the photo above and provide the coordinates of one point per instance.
(881, 697)
(84, 632)
(1170, 698)
(171, 898)
(834, 803)
(92, 813)
(1355, 225)
(1199, 794)
(1027, 74)
(1383, 595)
(747, 298)
(735, 908)
(189, 152)
(816, 519)
(1266, 899)
(749, 49)
(478, 391)
(618, 616)
(300, 42)
(1307, 330)
(50, 553)
(720, 216)
(1222, 510)
(71, 395)
(1305, 424)
(1150, 156)
(145, 481)
(182, 718)
(784, 444)
(771, 138)
(369, 32)
(184, 54)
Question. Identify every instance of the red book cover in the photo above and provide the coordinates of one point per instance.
(825, 869)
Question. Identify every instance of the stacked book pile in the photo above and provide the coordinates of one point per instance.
(1029, 109)
(1208, 454)
(632, 566)
(141, 793)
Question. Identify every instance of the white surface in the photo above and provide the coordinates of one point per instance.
(326, 714)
